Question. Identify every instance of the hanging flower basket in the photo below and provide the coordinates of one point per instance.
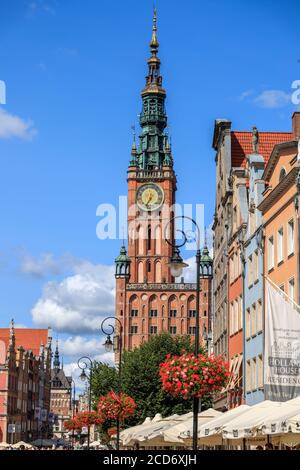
(189, 375)
(71, 425)
(113, 406)
(81, 420)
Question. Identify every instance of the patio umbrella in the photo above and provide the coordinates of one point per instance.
(247, 424)
(22, 443)
(153, 434)
(4, 445)
(183, 431)
(126, 434)
(210, 433)
(278, 421)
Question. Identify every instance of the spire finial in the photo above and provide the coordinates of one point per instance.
(154, 42)
(56, 362)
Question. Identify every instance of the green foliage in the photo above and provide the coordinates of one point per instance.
(104, 379)
(140, 377)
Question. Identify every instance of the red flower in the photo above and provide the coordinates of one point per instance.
(189, 375)
(113, 406)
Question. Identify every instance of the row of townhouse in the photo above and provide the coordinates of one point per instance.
(256, 235)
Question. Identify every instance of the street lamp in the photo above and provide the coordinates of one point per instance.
(203, 267)
(116, 345)
(84, 363)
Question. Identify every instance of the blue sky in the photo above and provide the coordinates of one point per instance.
(73, 71)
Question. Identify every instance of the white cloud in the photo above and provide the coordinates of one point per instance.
(72, 369)
(13, 126)
(79, 302)
(79, 345)
(245, 94)
(47, 264)
(273, 99)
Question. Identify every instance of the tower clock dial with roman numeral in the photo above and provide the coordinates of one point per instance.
(149, 197)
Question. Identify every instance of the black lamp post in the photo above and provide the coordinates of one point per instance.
(116, 346)
(84, 363)
(73, 401)
(203, 268)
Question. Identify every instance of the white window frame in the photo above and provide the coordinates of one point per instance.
(280, 245)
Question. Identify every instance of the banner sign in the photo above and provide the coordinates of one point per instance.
(37, 413)
(282, 346)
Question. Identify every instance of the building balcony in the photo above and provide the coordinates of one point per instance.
(149, 174)
(163, 286)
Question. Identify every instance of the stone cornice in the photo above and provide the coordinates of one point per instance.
(276, 193)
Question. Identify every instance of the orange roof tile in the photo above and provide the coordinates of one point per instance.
(241, 145)
(29, 338)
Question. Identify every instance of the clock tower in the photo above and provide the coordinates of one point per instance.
(148, 300)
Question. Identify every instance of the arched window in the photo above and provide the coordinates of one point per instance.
(282, 174)
(149, 238)
(158, 272)
(140, 272)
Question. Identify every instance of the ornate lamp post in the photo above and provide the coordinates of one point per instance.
(84, 363)
(116, 346)
(203, 268)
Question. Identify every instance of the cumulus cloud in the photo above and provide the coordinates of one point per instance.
(273, 99)
(71, 368)
(79, 302)
(47, 264)
(12, 126)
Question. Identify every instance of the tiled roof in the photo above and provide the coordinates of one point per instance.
(241, 145)
(30, 338)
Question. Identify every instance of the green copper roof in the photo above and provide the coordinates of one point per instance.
(122, 258)
(205, 257)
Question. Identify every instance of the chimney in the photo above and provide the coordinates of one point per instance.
(296, 125)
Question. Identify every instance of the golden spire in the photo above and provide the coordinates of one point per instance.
(154, 42)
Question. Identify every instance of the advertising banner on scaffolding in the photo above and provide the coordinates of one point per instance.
(282, 345)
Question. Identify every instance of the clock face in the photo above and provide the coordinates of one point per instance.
(149, 197)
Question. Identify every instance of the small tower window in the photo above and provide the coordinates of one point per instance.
(149, 238)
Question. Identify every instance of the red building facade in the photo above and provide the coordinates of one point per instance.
(25, 367)
(148, 298)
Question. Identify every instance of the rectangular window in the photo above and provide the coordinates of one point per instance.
(231, 319)
(260, 372)
(241, 313)
(172, 330)
(259, 315)
(248, 325)
(256, 274)
(192, 330)
(133, 329)
(291, 236)
(231, 269)
(236, 316)
(250, 271)
(134, 313)
(291, 292)
(253, 374)
(172, 313)
(192, 313)
(253, 320)
(271, 253)
(280, 254)
(153, 330)
(153, 313)
(248, 377)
